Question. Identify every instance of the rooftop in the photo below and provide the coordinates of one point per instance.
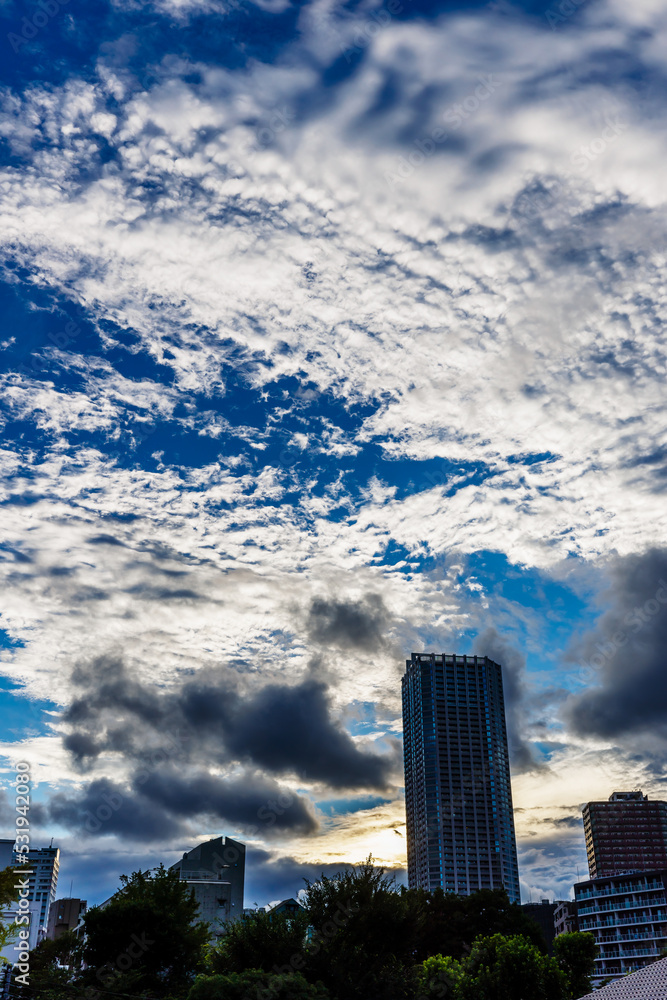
(645, 984)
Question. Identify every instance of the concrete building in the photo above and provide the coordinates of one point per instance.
(625, 834)
(460, 823)
(565, 917)
(41, 870)
(543, 915)
(627, 914)
(215, 870)
(65, 915)
(45, 863)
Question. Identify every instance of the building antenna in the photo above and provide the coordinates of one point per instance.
(71, 886)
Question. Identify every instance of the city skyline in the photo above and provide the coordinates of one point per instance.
(328, 332)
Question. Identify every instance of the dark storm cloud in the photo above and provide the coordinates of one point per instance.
(624, 656)
(248, 800)
(288, 728)
(282, 729)
(348, 624)
(107, 808)
(492, 644)
(160, 802)
(38, 814)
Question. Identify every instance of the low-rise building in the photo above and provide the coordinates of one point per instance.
(65, 915)
(627, 914)
(647, 984)
(565, 917)
(215, 870)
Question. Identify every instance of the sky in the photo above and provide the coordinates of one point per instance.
(330, 332)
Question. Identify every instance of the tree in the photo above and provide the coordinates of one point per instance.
(364, 934)
(575, 953)
(261, 940)
(448, 924)
(53, 967)
(510, 968)
(147, 939)
(8, 894)
(439, 976)
(256, 984)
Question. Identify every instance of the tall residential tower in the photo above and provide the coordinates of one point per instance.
(458, 797)
(626, 834)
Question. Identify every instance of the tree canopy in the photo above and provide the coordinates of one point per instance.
(147, 938)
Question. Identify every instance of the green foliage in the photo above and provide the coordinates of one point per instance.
(8, 894)
(364, 934)
(261, 940)
(53, 968)
(256, 985)
(439, 976)
(575, 953)
(449, 924)
(146, 939)
(510, 968)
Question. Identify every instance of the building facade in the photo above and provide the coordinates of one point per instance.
(215, 870)
(65, 915)
(565, 917)
(458, 797)
(627, 833)
(627, 914)
(41, 870)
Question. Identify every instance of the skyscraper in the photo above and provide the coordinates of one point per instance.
(626, 834)
(458, 796)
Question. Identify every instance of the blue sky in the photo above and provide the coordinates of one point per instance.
(330, 332)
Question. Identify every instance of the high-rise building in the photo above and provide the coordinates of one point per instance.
(215, 870)
(41, 870)
(627, 915)
(458, 797)
(628, 833)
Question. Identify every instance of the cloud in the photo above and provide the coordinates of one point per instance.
(106, 808)
(361, 624)
(624, 656)
(283, 729)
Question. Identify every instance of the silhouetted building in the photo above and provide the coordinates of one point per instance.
(628, 833)
(543, 915)
(65, 915)
(290, 907)
(627, 914)
(458, 798)
(216, 872)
